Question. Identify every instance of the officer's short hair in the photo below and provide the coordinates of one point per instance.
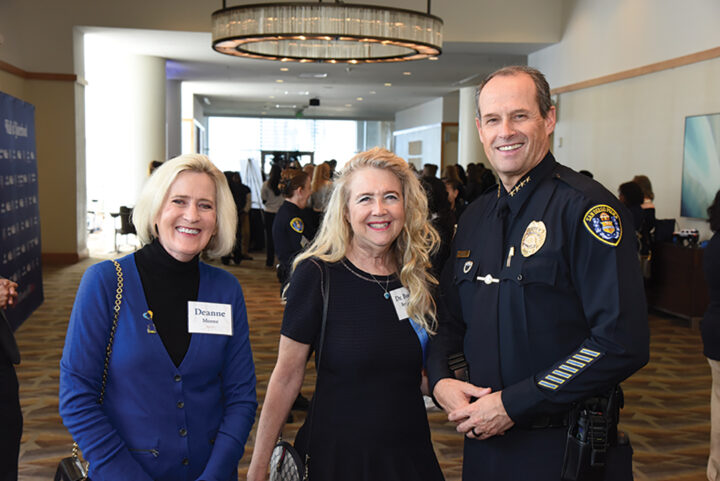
(542, 89)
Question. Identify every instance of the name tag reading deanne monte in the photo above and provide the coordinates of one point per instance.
(210, 318)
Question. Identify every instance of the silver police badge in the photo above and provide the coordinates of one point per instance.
(467, 266)
(533, 238)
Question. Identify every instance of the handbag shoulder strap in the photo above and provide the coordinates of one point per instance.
(325, 283)
(108, 348)
(116, 313)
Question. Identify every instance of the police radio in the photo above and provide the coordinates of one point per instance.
(592, 429)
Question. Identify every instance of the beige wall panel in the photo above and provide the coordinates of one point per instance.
(55, 126)
(13, 85)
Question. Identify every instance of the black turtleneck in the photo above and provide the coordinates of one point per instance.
(168, 285)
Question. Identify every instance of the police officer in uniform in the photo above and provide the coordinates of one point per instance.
(544, 295)
(292, 231)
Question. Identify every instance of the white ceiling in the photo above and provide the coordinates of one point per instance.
(246, 87)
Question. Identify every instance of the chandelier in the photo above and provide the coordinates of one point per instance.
(326, 32)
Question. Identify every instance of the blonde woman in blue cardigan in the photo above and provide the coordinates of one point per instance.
(179, 400)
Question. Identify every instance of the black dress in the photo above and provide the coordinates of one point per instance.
(370, 421)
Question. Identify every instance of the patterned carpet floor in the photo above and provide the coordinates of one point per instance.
(666, 413)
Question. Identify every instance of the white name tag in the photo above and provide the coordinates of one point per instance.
(400, 298)
(210, 318)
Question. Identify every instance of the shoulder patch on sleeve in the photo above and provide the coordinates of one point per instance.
(297, 224)
(603, 222)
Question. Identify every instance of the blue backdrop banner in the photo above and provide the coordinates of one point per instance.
(19, 213)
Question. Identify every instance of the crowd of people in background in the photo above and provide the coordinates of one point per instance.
(447, 194)
(447, 197)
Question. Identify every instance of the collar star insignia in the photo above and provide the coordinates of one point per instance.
(517, 188)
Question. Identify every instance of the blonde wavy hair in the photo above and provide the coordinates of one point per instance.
(413, 247)
(155, 191)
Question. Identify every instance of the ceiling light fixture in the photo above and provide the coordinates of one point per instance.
(326, 32)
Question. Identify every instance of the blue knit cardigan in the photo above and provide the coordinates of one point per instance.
(158, 421)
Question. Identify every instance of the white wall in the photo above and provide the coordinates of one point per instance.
(633, 126)
(609, 36)
(420, 115)
(451, 107)
(422, 123)
(430, 138)
(125, 123)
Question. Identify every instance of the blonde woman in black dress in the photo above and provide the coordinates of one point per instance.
(369, 419)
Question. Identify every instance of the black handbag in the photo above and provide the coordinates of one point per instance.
(286, 464)
(73, 468)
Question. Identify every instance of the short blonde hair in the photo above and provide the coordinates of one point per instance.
(412, 249)
(155, 192)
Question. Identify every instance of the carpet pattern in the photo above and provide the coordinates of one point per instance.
(666, 413)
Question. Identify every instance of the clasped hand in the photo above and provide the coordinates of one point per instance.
(480, 419)
(8, 293)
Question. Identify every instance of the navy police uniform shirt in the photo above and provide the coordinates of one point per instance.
(291, 232)
(543, 293)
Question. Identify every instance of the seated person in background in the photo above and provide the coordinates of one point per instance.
(646, 187)
(177, 397)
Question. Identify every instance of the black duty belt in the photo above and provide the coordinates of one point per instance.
(558, 420)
